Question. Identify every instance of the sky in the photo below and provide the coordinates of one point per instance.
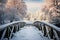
(33, 0)
(33, 5)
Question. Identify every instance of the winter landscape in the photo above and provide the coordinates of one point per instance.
(29, 19)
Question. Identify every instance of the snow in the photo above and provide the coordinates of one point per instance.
(51, 25)
(29, 33)
(7, 25)
(29, 23)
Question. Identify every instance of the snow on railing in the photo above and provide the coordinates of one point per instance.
(6, 25)
(47, 29)
(51, 25)
(7, 30)
(50, 30)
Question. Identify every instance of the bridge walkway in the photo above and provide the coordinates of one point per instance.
(29, 33)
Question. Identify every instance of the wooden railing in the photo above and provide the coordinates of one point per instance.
(7, 31)
(49, 30)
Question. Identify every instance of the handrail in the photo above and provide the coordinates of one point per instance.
(9, 29)
(43, 22)
(49, 30)
(51, 25)
(6, 25)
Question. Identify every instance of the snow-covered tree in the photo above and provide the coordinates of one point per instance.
(19, 5)
(2, 2)
(1, 17)
(51, 11)
(13, 10)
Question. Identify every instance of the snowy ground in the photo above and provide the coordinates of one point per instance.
(29, 33)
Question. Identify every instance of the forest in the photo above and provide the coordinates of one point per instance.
(12, 10)
(15, 10)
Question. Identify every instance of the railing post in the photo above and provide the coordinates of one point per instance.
(14, 29)
(3, 33)
(40, 27)
(47, 32)
(51, 33)
(11, 32)
(8, 32)
(55, 34)
(17, 27)
(44, 30)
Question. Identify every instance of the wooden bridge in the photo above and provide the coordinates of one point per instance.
(50, 31)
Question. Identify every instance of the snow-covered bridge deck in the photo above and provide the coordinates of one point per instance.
(29, 33)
